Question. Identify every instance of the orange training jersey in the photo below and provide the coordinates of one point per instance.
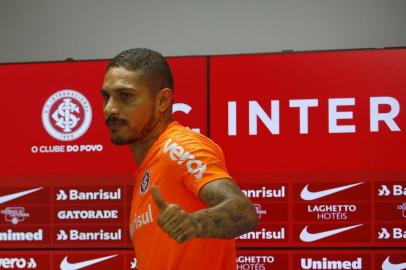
(180, 163)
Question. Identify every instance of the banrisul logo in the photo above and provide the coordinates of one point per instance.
(66, 115)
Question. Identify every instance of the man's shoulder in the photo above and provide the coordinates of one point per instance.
(184, 135)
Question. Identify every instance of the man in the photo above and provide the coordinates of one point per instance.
(186, 209)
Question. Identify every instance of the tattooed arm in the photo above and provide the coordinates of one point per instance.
(229, 214)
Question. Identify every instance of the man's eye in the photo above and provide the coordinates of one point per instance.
(124, 95)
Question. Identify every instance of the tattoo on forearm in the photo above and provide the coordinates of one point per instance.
(230, 213)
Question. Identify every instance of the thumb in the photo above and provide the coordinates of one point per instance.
(158, 199)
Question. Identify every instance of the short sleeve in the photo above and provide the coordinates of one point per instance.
(205, 164)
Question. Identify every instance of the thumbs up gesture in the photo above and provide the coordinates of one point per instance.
(176, 222)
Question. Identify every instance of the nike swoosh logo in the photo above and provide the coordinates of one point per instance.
(387, 265)
(309, 195)
(65, 265)
(305, 236)
(13, 196)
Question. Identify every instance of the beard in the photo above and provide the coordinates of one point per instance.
(133, 136)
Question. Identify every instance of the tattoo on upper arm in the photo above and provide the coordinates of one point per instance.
(218, 191)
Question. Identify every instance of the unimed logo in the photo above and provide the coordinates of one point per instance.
(325, 263)
(17, 263)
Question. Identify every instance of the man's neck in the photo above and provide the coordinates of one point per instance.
(140, 148)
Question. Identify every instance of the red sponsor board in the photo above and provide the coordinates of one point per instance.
(332, 260)
(59, 112)
(390, 234)
(337, 235)
(73, 195)
(99, 260)
(262, 260)
(390, 211)
(25, 260)
(15, 216)
(271, 212)
(129, 194)
(309, 113)
(390, 191)
(25, 236)
(88, 236)
(265, 192)
(390, 260)
(325, 212)
(329, 191)
(100, 215)
(24, 195)
(265, 235)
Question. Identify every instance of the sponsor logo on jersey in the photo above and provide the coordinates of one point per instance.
(145, 182)
(66, 265)
(141, 219)
(14, 214)
(324, 263)
(178, 154)
(306, 236)
(66, 115)
(17, 263)
(308, 195)
(100, 195)
(11, 235)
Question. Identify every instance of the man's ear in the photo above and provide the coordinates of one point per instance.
(164, 99)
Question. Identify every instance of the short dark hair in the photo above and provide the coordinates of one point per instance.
(152, 67)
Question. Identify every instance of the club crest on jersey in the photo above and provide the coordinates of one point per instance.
(145, 182)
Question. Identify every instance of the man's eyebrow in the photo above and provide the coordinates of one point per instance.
(117, 90)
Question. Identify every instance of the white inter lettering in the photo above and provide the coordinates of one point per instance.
(388, 117)
(256, 111)
(232, 118)
(334, 115)
(303, 105)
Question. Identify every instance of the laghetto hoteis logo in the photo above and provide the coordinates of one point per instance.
(66, 116)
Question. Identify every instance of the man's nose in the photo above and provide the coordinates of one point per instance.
(111, 107)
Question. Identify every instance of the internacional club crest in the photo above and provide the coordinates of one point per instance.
(145, 182)
(66, 115)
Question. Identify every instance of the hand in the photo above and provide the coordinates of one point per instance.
(176, 222)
